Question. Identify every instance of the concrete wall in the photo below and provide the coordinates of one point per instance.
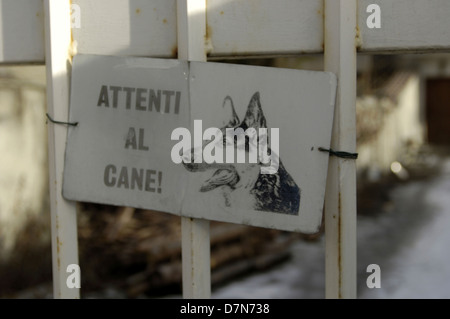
(400, 126)
(387, 120)
(23, 159)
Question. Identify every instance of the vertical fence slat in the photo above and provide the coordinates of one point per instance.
(340, 199)
(191, 18)
(63, 213)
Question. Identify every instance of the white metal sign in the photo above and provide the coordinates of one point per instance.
(206, 140)
(119, 153)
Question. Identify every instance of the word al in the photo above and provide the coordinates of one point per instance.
(374, 279)
(374, 19)
(74, 279)
(210, 146)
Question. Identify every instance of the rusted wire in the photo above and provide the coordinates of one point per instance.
(59, 122)
(339, 153)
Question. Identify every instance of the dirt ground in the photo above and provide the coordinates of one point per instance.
(136, 253)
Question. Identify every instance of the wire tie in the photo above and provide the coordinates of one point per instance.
(59, 122)
(339, 153)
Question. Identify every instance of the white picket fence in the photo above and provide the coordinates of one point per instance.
(33, 31)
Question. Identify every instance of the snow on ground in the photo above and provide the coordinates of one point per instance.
(300, 278)
(414, 249)
(408, 241)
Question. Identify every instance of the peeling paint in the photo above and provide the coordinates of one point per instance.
(358, 39)
(208, 32)
(138, 11)
(165, 21)
(58, 244)
(208, 43)
(73, 49)
(174, 51)
(70, 49)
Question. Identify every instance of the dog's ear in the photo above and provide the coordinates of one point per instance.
(254, 116)
(233, 120)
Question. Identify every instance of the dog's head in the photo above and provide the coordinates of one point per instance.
(239, 173)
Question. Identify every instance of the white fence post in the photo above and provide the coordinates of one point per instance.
(63, 213)
(191, 18)
(340, 199)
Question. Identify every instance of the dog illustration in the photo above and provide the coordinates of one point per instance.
(242, 184)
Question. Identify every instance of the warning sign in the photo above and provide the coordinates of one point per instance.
(208, 140)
